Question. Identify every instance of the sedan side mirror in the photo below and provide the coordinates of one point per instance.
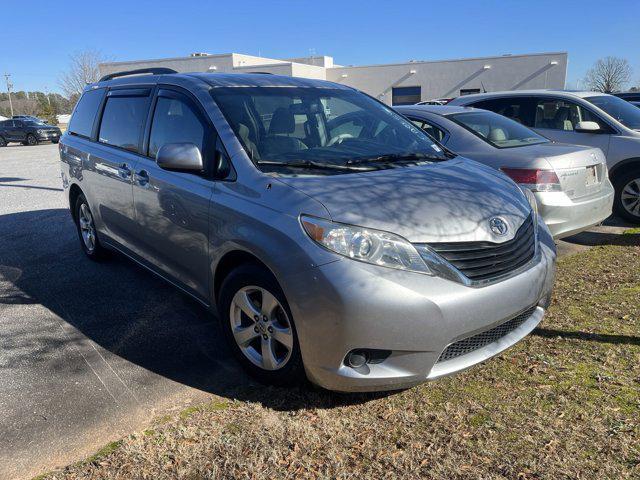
(587, 127)
(181, 157)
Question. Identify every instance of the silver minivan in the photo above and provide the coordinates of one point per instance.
(333, 238)
(581, 118)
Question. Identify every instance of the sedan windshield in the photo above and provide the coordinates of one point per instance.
(321, 129)
(626, 113)
(496, 130)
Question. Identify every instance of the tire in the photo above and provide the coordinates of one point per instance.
(87, 233)
(3, 142)
(31, 140)
(55, 141)
(249, 282)
(627, 196)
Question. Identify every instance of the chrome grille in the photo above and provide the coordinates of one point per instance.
(476, 342)
(487, 260)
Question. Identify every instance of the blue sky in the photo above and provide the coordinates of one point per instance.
(36, 41)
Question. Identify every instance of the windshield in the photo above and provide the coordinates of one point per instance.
(499, 131)
(626, 113)
(321, 128)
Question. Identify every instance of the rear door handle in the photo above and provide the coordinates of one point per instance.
(142, 177)
(124, 171)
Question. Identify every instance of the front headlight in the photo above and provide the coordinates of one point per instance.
(365, 244)
(42, 132)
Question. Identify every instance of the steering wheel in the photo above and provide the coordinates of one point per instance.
(338, 139)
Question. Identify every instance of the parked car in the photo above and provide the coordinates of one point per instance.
(28, 117)
(570, 182)
(435, 101)
(636, 104)
(332, 236)
(629, 96)
(582, 118)
(27, 132)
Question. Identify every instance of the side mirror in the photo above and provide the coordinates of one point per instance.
(181, 157)
(587, 127)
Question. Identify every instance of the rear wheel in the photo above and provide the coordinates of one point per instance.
(259, 326)
(87, 230)
(3, 142)
(32, 140)
(627, 201)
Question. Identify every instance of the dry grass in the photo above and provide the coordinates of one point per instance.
(564, 403)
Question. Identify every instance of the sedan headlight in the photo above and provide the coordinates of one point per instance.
(365, 244)
(42, 132)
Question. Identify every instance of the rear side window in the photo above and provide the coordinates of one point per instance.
(123, 121)
(520, 109)
(174, 121)
(85, 113)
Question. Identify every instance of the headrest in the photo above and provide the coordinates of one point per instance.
(550, 109)
(497, 135)
(282, 121)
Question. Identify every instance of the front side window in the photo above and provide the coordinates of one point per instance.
(85, 113)
(497, 130)
(174, 121)
(556, 114)
(123, 121)
(519, 109)
(623, 111)
(337, 128)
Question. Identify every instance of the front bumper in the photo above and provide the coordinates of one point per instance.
(347, 305)
(566, 217)
(48, 136)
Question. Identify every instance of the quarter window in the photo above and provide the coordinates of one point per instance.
(557, 114)
(123, 121)
(85, 113)
(174, 121)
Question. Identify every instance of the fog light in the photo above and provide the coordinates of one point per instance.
(357, 358)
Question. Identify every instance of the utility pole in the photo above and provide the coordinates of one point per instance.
(9, 86)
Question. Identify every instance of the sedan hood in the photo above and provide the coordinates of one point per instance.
(447, 201)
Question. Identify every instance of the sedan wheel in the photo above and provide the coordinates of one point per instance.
(3, 143)
(630, 197)
(261, 328)
(87, 228)
(32, 140)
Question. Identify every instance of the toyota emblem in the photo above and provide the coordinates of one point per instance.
(498, 226)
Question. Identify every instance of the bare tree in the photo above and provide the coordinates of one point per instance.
(609, 74)
(83, 69)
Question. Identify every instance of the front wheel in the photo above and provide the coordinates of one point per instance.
(3, 142)
(259, 326)
(32, 140)
(627, 200)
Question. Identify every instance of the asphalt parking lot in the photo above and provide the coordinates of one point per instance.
(90, 352)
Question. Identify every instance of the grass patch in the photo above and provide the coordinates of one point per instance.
(564, 403)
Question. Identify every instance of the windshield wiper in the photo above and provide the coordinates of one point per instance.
(310, 164)
(395, 157)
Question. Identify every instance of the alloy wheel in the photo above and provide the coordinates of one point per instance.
(87, 228)
(31, 140)
(261, 327)
(630, 197)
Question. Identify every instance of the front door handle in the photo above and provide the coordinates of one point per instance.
(142, 177)
(124, 171)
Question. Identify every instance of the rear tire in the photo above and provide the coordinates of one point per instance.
(87, 232)
(265, 342)
(627, 196)
(32, 140)
(3, 142)
(55, 141)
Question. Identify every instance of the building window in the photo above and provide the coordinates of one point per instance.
(469, 91)
(405, 95)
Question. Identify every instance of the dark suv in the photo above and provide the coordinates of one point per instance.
(27, 132)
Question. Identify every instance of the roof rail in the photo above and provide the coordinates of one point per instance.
(153, 71)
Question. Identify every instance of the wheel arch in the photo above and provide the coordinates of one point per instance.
(230, 261)
(74, 192)
(623, 167)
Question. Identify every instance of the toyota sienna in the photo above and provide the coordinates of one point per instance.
(332, 236)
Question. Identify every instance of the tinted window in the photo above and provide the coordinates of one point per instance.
(405, 95)
(432, 130)
(497, 130)
(468, 91)
(123, 121)
(558, 114)
(519, 109)
(85, 113)
(623, 111)
(18, 123)
(175, 122)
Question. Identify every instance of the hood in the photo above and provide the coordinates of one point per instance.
(449, 201)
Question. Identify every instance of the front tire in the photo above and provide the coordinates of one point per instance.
(87, 232)
(32, 140)
(627, 196)
(3, 142)
(258, 325)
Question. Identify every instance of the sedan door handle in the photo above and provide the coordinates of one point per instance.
(124, 171)
(142, 177)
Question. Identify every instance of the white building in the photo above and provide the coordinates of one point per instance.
(394, 84)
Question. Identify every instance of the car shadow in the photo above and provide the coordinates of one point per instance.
(128, 311)
(586, 336)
